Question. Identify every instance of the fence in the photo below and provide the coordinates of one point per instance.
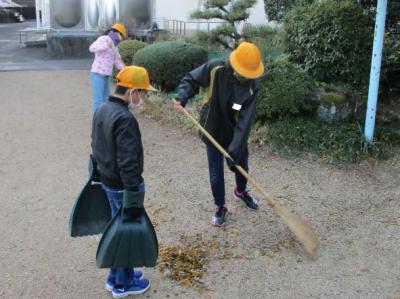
(185, 28)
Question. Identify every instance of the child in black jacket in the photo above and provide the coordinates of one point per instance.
(228, 114)
(117, 149)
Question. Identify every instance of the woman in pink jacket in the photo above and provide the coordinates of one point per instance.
(106, 57)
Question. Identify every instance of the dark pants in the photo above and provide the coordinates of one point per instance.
(216, 170)
(122, 277)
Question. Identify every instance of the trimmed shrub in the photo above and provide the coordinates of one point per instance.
(128, 48)
(283, 90)
(332, 39)
(168, 62)
(204, 40)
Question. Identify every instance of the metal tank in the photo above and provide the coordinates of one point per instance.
(92, 13)
(66, 13)
(137, 15)
(75, 24)
(110, 12)
(97, 15)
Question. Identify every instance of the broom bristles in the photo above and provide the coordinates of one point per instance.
(300, 227)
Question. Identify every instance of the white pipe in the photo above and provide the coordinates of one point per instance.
(37, 13)
(375, 70)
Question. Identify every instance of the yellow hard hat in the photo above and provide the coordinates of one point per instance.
(120, 28)
(134, 77)
(246, 61)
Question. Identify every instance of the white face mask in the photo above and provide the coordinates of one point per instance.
(132, 105)
(119, 37)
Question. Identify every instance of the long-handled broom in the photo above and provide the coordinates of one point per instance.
(301, 228)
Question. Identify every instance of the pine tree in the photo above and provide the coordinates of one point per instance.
(276, 10)
(231, 12)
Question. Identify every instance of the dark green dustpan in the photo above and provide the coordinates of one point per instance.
(129, 240)
(91, 212)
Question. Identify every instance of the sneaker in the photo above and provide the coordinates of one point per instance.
(110, 282)
(250, 202)
(219, 216)
(138, 287)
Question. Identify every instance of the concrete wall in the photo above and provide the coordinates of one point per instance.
(76, 46)
(257, 14)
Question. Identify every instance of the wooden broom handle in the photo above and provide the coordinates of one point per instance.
(270, 200)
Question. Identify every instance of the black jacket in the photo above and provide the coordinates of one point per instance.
(228, 126)
(117, 145)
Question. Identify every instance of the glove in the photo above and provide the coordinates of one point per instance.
(231, 163)
(133, 204)
(93, 171)
(133, 213)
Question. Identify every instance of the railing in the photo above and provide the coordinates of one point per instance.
(184, 28)
(24, 33)
(177, 27)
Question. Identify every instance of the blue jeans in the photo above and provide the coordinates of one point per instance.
(121, 276)
(216, 171)
(100, 89)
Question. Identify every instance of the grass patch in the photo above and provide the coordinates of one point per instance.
(294, 136)
(160, 106)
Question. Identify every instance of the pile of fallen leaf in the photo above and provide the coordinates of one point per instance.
(185, 262)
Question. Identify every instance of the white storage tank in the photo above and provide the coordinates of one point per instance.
(98, 15)
(67, 14)
(137, 15)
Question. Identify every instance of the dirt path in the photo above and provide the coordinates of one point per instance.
(45, 131)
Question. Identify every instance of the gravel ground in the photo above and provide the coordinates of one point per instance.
(45, 142)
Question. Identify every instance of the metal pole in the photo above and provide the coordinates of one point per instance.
(375, 70)
(37, 5)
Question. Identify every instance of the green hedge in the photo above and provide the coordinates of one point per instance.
(390, 74)
(168, 62)
(332, 39)
(203, 39)
(283, 90)
(128, 48)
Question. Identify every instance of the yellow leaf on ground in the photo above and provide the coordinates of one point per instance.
(365, 270)
(235, 233)
(350, 274)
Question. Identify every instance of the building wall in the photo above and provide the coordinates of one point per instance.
(175, 9)
(257, 14)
